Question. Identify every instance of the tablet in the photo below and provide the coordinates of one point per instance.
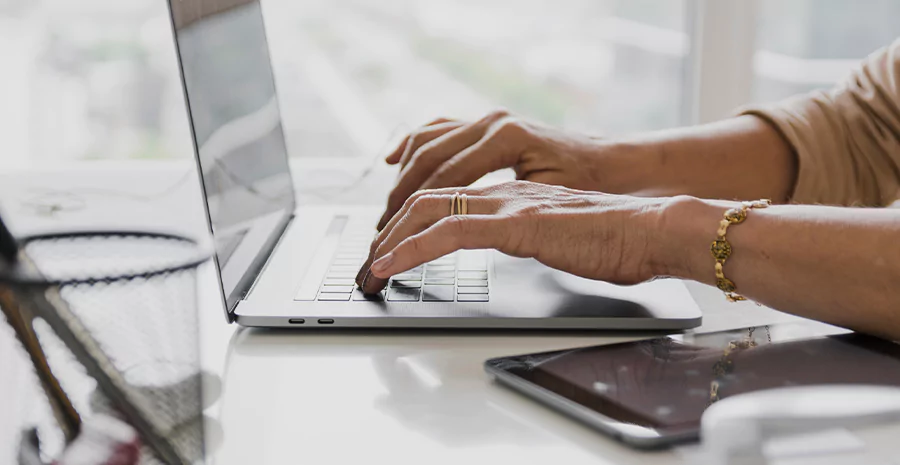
(652, 393)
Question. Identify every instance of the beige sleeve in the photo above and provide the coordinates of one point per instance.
(847, 139)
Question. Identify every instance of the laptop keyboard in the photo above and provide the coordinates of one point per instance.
(459, 277)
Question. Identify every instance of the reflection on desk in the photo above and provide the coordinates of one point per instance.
(350, 398)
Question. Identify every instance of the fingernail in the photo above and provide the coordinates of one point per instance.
(383, 263)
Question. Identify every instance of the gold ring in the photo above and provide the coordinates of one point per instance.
(454, 201)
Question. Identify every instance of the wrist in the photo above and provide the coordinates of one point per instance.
(625, 167)
(685, 228)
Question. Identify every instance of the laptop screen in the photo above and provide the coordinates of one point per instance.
(237, 130)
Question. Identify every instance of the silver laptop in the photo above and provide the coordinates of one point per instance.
(281, 265)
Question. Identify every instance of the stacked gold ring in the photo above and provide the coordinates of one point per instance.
(459, 204)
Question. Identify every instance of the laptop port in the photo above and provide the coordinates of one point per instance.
(296, 321)
(326, 321)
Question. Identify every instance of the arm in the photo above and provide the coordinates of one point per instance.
(837, 147)
(738, 158)
(838, 265)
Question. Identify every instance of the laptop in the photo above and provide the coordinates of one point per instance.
(290, 266)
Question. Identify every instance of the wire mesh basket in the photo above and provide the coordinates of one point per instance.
(109, 320)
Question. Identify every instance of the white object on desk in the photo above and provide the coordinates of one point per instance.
(793, 422)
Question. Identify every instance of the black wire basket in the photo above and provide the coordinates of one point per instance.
(109, 320)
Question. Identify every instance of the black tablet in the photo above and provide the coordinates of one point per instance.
(652, 393)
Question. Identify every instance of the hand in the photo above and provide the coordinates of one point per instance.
(448, 153)
(589, 234)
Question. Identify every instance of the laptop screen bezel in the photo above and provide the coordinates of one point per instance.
(245, 283)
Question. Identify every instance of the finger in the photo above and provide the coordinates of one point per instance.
(384, 231)
(430, 156)
(394, 157)
(425, 136)
(426, 160)
(446, 236)
(423, 212)
(498, 149)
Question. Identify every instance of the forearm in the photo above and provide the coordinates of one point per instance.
(838, 265)
(737, 158)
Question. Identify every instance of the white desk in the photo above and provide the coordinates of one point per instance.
(355, 397)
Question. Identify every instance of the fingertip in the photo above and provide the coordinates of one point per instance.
(382, 267)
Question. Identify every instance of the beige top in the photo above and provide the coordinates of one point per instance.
(847, 139)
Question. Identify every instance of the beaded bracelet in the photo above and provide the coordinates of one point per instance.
(721, 249)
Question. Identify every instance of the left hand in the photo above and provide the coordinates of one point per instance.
(589, 234)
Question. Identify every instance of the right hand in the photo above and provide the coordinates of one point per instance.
(451, 153)
(614, 238)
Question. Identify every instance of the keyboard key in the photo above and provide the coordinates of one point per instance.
(403, 294)
(472, 298)
(472, 283)
(337, 289)
(341, 274)
(431, 267)
(346, 262)
(407, 284)
(339, 282)
(408, 277)
(437, 294)
(343, 269)
(350, 256)
(482, 275)
(440, 281)
(440, 274)
(335, 297)
(472, 290)
(358, 296)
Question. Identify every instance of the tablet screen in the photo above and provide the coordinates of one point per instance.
(669, 382)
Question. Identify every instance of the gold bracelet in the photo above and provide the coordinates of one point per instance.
(721, 249)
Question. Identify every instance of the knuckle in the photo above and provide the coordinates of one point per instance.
(421, 153)
(527, 211)
(414, 245)
(410, 201)
(421, 202)
(497, 114)
(444, 174)
(505, 189)
(413, 139)
(508, 126)
(456, 227)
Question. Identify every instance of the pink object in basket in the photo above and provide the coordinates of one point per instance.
(104, 440)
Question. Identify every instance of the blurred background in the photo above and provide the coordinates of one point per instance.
(97, 79)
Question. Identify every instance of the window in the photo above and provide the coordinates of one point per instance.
(808, 44)
(371, 68)
(97, 79)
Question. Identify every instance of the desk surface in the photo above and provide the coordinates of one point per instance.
(349, 397)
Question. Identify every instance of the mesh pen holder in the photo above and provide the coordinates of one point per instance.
(109, 320)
